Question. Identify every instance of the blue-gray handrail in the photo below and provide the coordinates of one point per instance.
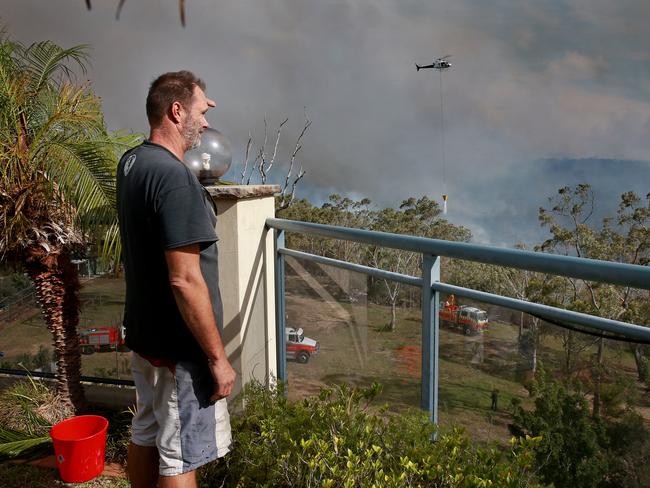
(432, 249)
(589, 269)
(629, 331)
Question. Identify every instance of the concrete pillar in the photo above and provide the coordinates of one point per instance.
(246, 278)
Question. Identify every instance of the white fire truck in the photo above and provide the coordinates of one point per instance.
(299, 347)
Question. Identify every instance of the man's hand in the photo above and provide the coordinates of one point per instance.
(224, 378)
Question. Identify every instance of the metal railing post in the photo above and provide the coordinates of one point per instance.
(430, 327)
(280, 338)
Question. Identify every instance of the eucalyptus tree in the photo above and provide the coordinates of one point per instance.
(57, 176)
(625, 239)
(415, 217)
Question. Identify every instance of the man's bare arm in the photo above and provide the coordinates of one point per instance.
(193, 300)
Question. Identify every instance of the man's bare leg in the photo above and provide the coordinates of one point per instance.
(142, 466)
(185, 480)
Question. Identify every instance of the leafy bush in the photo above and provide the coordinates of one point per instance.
(618, 395)
(569, 453)
(336, 439)
(578, 449)
(629, 452)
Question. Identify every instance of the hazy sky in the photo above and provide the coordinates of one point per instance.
(531, 80)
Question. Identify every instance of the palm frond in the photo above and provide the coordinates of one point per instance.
(87, 173)
(111, 250)
(69, 112)
(14, 443)
(43, 60)
(84, 171)
(123, 140)
(181, 8)
(58, 161)
(7, 62)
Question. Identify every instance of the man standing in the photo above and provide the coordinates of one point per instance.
(173, 313)
(495, 398)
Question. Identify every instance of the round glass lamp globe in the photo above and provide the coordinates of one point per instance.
(211, 158)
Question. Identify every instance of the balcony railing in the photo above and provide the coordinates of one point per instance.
(445, 373)
(431, 288)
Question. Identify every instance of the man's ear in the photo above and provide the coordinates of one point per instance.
(175, 112)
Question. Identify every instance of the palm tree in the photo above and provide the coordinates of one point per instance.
(57, 184)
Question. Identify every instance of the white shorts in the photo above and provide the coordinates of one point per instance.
(175, 414)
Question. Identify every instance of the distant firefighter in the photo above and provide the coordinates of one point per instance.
(495, 398)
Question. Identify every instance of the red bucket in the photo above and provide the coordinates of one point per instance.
(79, 447)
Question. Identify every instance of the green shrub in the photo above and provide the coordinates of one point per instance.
(629, 452)
(578, 449)
(618, 394)
(570, 451)
(336, 439)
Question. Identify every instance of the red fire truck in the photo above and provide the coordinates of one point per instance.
(471, 320)
(299, 347)
(102, 339)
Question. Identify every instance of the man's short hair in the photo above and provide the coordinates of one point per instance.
(176, 86)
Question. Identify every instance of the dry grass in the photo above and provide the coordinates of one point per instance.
(30, 406)
(22, 475)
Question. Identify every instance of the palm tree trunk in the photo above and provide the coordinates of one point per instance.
(72, 351)
(56, 282)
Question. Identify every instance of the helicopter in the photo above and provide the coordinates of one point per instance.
(439, 64)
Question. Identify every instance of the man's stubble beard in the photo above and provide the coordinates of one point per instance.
(192, 134)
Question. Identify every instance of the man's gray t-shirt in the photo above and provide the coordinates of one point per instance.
(161, 206)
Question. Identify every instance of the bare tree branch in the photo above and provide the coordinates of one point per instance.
(262, 154)
(181, 8)
(287, 200)
(262, 164)
(261, 157)
(250, 175)
(275, 147)
(296, 150)
(248, 148)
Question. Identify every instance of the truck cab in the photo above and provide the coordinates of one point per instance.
(470, 320)
(299, 347)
